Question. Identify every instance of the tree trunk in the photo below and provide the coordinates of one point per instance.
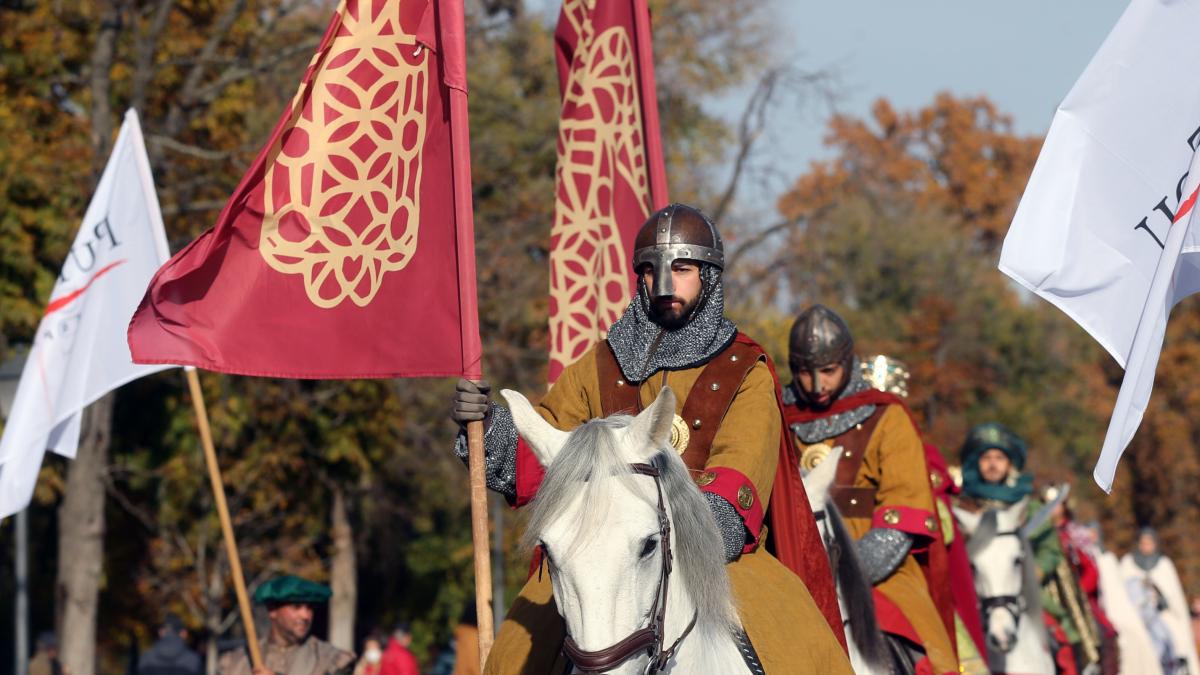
(81, 541)
(214, 594)
(81, 515)
(343, 576)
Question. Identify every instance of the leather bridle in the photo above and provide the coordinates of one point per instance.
(648, 640)
(1013, 604)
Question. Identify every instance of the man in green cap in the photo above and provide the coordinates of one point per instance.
(993, 477)
(992, 462)
(288, 649)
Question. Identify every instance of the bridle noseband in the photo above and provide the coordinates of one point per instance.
(649, 639)
(1013, 604)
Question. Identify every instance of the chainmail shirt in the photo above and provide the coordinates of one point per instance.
(832, 425)
(643, 348)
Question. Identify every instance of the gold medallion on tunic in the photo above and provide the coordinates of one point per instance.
(680, 435)
(812, 456)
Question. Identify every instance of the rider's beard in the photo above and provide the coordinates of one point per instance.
(666, 314)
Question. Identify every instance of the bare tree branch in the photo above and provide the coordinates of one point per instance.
(191, 82)
(209, 92)
(194, 207)
(750, 127)
(145, 45)
(190, 150)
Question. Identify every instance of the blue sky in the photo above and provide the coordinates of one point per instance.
(1022, 54)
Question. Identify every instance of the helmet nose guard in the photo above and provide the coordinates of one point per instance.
(676, 232)
(819, 338)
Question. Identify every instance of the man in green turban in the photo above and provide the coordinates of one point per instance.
(288, 648)
(993, 458)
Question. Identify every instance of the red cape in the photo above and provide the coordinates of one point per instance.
(793, 535)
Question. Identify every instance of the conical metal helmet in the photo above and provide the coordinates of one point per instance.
(676, 232)
(820, 338)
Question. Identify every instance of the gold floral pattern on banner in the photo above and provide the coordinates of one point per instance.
(342, 189)
(601, 154)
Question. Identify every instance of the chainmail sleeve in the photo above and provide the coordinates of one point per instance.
(881, 550)
(733, 530)
(500, 451)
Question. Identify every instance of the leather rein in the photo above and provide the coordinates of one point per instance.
(648, 640)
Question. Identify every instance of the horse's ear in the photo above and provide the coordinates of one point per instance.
(819, 478)
(653, 425)
(968, 519)
(1016, 512)
(541, 436)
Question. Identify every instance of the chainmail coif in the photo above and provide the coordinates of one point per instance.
(633, 337)
(832, 425)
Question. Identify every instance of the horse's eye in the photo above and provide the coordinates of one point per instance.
(1017, 562)
(648, 547)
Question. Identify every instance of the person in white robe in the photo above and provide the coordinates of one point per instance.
(1153, 587)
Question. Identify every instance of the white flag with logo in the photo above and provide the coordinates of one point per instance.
(1102, 230)
(79, 352)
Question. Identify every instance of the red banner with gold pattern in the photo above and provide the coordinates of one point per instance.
(610, 174)
(347, 249)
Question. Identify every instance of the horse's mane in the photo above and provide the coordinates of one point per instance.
(856, 594)
(591, 452)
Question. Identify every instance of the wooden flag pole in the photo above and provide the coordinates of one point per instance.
(218, 488)
(479, 536)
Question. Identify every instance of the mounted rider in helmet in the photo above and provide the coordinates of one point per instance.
(674, 333)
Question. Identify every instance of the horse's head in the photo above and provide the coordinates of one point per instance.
(611, 529)
(999, 560)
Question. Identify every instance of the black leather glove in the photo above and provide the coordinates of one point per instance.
(472, 402)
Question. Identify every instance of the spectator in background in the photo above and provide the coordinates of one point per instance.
(45, 661)
(1153, 585)
(170, 655)
(397, 659)
(371, 662)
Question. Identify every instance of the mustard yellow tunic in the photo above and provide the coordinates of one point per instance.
(784, 624)
(894, 464)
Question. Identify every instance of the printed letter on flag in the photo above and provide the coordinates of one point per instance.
(341, 253)
(79, 351)
(610, 174)
(1101, 230)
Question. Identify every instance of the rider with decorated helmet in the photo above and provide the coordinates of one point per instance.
(882, 484)
(727, 429)
(887, 374)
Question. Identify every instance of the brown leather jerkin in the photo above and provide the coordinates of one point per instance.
(851, 501)
(705, 405)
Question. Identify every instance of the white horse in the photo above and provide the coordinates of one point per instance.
(636, 559)
(868, 647)
(1007, 586)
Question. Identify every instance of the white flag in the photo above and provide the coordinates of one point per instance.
(1102, 230)
(79, 352)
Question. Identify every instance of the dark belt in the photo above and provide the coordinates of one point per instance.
(854, 502)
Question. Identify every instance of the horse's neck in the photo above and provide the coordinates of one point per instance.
(697, 653)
